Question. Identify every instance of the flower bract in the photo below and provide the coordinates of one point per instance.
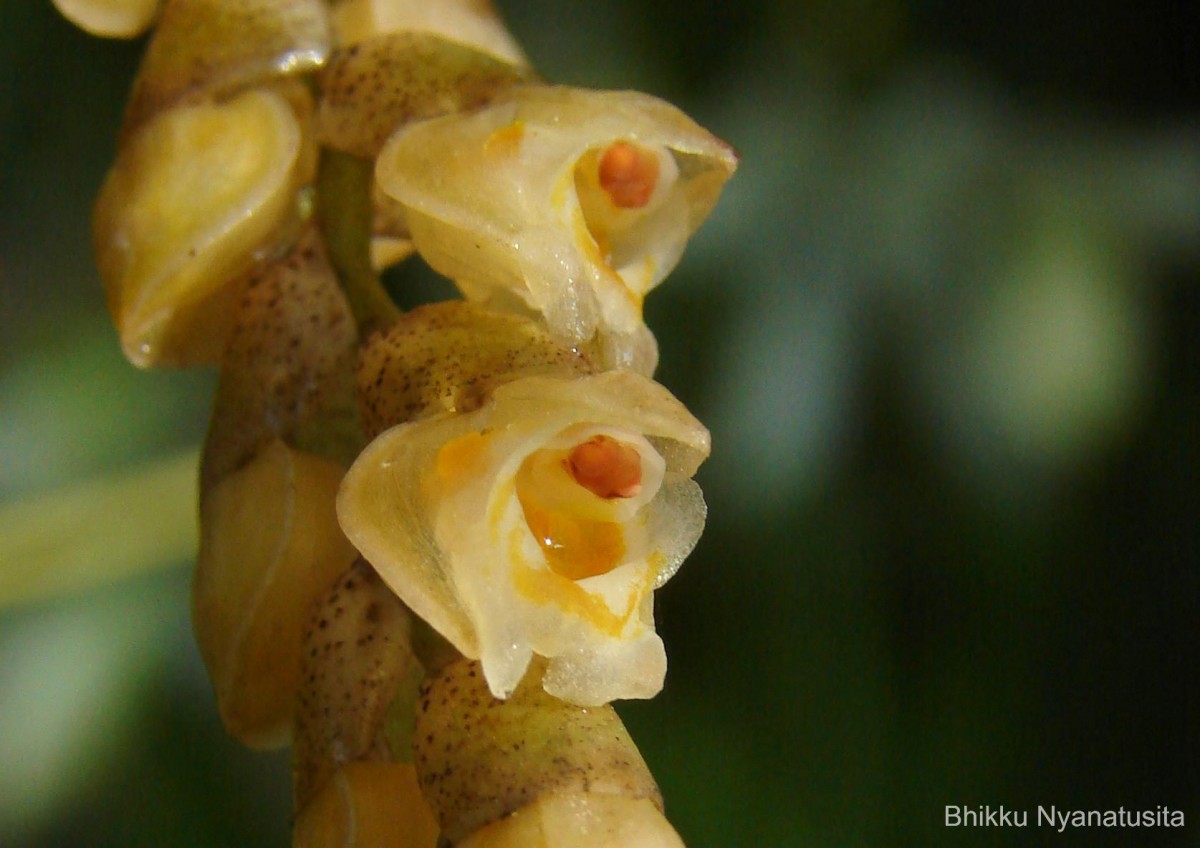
(270, 547)
(205, 48)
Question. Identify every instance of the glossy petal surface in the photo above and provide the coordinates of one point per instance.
(193, 198)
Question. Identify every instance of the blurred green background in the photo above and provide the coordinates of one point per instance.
(945, 328)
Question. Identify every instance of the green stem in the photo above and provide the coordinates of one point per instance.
(344, 213)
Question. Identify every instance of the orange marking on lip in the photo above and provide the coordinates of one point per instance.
(628, 175)
(506, 140)
(550, 587)
(575, 548)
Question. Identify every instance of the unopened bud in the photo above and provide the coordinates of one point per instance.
(480, 759)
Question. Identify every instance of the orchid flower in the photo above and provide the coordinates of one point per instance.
(540, 523)
(572, 203)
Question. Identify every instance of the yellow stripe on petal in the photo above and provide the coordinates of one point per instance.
(543, 586)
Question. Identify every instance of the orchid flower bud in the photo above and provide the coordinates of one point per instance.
(540, 522)
(269, 548)
(474, 23)
(287, 371)
(480, 760)
(196, 196)
(203, 48)
(580, 820)
(368, 805)
(356, 660)
(371, 89)
(575, 202)
(110, 18)
(448, 357)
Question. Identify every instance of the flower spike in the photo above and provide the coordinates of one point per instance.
(439, 630)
